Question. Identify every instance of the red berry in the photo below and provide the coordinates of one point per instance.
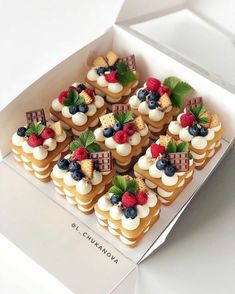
(47, 133)
(121, 137)
(153, 84)
(164, 89)
(130, 129)
(187, 120)
(112, 77)
(128, 199)
(35, 141)
(142, 198)
(90, 92)
(63, 96)
(73, 88)
(80, 154)
(157, 149)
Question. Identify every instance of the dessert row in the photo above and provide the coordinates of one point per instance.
(103, 130)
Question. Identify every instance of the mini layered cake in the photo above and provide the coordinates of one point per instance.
(38, 146)
(85, 174)
(202, 129)
(78, 108)
(123, 135)
(128, 210)
(114, 77)
(167, 168)
(158, 104)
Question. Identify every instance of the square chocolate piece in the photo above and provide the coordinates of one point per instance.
(103, 159)
(37, 115)
(129, 61)
(194, 102)
(180, 160)
(121, 108)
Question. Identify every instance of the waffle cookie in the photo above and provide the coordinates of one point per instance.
(125, 137)
(85, 174)
(128, 210)
(158, 104)
(38, 146)
(78, 108)
(114, 77)
(200, 128)
(166, 168)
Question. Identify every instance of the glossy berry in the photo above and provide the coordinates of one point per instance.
(73, 109)
(108, 132)
(194, 130)
(90, 92)
(48, 133)
(21, 131)
(142, 198)
(73, 165)
(142, 94)
(121, 137)
(81, 87)
(153, 84)
(35, 141)
(152, 104)
(162, 163)
(115, 199)
(169, 170)
(80, 154)
(130, 129)
(63, 164)
(130, 212)
(187, 120)
(164, 89)
(154, 96)
(156, 150)
(101, 70)
(77, 175)
(112, 77)
(128, 199)
(83, 108)
(117, 126)
(203, 132)
(63, 96)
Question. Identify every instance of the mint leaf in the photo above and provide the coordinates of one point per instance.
(115, 190)
(171, 147)
(177, 100)
(202, 120)
(183, 147)
(120, 182)
(124, 118)
(196, 111)
(94, 147)
(122, 68)
(183, 89)
(79, 100)
(74, 145)
(171, 82)
(35, 128)
(87, 138)
(132, 187)
(125, 76)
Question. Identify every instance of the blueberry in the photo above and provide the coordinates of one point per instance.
(81, 87)
(203, 132)
(162, 163)
(63, 163)
(117, 127)
(154, 96)
(142, 94)
(194, 130)
(112, 67)
(130, 212)
(83, 108)
(21, 131)
(77, 175)
(169, 170)
(101, 70)
(73, 109)
(108, 132)
(74, 166)
(152, 104)
(115, 199)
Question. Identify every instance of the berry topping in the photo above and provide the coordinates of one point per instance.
(164, 89)
(142, 94)
(63, 163)
(90, 92)
(77, 175)
(80, 153)
(154, 96)
(73, 88)
(162, 163)
(111, 77)
(81, 87)
(21, 131)
(73, 109)
(101, 70)
(115, 199)
(35, 141)
(108, 132)
(63, 96)
(83, 108)
(153, 84)
(203, 132)
(128, 199)
(130, 129)
(142, 198)
(130, 212)
(187, 120)
(157, 149)
(47, 133)
(117, 126)
(73, 165)
(121, 137)
(169, 170)
(194, 130)
(152, 104)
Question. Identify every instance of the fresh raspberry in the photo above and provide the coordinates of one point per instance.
(35, 141)
(47, 133)
(157, 149)
(73, 88)
(153, 84)
(80, 154)
(112, 77)
(164, 89)
(130, 129)
(90, 92)
(142, 198)
(63, 96)
(128, 199)
(121, 137)
(187, 120)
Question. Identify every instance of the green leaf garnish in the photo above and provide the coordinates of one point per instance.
(35, 128)
(73, 98)
(86, 140)
(171, 82)
(198, 113)
(120, 182)
(115, 190)
(74, 145)
(124, 118)
(94, 147)
(125, 76)
(132, 187)
(182, 147)
(121, 185)
(171, 147)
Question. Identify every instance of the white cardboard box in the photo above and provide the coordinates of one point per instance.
(56, 234)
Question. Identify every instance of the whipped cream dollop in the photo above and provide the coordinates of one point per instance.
(83, 187)
(129, 223)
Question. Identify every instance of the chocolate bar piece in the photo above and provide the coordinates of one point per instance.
(180, 160)
(37, 115)
(120, 108)
(129, 61)
(194, 102)
(103, 159)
